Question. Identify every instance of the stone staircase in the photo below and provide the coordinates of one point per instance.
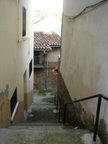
(44, 134)
(41, 127)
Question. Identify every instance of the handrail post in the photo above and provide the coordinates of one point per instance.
(97, 118)
(59, 114)
(58, 108)
(57, 104)
(64, 117)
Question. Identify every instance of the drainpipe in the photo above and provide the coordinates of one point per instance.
(46, 70)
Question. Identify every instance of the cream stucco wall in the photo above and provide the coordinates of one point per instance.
(84, 52)
(15, 51)
(54, 55)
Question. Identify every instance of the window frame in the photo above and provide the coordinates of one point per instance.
(24, 21)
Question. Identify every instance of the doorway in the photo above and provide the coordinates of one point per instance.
(13, 101)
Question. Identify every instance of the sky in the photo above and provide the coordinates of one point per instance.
(48, 6)
(48, 24)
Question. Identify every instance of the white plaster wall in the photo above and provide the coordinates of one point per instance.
(25, 44)
(15, 51)
(54, 55)
(73, 7)
(8, 43)
(84, 56)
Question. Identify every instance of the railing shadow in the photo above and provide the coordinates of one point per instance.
(65, 111)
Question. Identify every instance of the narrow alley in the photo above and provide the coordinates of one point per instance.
(53, 71)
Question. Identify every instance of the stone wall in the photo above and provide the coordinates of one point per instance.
(39, 79)
(53, 65)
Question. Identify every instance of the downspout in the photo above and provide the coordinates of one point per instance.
(46, 70)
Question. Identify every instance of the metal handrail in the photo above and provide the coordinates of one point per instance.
(58, 103)
(100, 97)
(14, 112)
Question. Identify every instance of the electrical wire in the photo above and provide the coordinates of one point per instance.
(88, 8)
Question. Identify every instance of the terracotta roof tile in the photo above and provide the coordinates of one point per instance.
(45, 41)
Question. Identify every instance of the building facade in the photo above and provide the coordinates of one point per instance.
(84, 68)
(16, 59)
(46, 43)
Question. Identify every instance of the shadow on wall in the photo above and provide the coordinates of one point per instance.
(103, 134)
(5, 113)
(76, 114)
(79, 117)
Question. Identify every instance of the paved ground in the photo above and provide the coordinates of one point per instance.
(40, 135)
(42, 109)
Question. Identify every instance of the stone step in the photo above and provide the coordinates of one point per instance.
(45, 135)
(29, 127)
(36, 124)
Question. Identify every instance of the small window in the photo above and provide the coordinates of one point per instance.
(36, 57)
(36, 53)
(24, 22)
(30, 68)
(13, 101)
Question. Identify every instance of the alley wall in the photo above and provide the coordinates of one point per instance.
(16, 52)
(84, 52)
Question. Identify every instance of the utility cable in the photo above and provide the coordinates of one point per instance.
(87, 9)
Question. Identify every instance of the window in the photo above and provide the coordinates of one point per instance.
(36, 57)
(13, 101)
(24, 22)
(30, 68)
(36, 53)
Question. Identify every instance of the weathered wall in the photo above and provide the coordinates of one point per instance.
(54, 55)
(4, 108)
(15, 51)
(25, 44)
(84, 57)
(41, 58)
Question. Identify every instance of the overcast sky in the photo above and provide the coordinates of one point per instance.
(48, 6)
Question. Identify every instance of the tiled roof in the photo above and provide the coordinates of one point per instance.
(45, 41)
